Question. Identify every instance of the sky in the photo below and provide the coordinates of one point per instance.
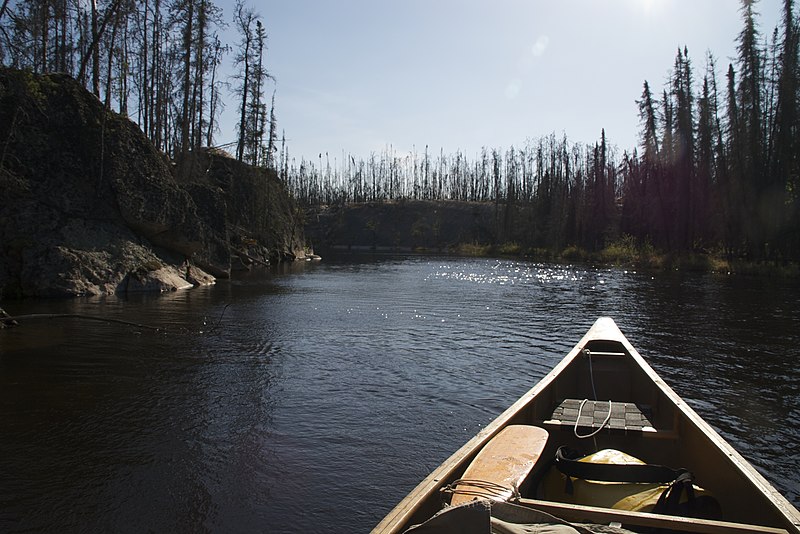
(357, 76)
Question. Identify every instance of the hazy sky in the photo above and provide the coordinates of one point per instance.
(359, 75)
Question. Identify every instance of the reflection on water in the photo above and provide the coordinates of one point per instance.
(313, 398)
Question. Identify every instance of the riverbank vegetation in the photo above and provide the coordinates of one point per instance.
(630, 253)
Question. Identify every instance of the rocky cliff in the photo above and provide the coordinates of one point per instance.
(262, 221)
(89, 206)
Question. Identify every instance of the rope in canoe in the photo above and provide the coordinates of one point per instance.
(588, 353)
(483, 488)
(595, 431)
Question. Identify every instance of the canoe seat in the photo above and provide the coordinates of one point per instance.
(501, 467)
(625, 416)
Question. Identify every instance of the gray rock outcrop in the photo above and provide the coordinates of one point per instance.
(89, 206)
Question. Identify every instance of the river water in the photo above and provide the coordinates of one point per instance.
(314, 397)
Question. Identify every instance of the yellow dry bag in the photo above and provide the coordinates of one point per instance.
(613, 479)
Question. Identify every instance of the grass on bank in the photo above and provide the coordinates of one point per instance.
(626, 251)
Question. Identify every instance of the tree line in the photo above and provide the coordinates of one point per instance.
(716, 168)
(155, 61)
(719, 165)
(571, 189)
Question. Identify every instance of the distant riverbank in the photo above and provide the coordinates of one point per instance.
(626, 252)
(479, 229)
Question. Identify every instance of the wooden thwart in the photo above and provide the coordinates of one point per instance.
(577, 513)
(506, 460)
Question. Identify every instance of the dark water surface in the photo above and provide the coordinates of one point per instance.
(314, 399)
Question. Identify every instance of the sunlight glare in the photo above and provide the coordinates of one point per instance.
(649, 7)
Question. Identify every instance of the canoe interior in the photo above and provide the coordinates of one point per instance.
(604, 366)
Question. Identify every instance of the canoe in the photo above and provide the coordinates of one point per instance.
(602, 387)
